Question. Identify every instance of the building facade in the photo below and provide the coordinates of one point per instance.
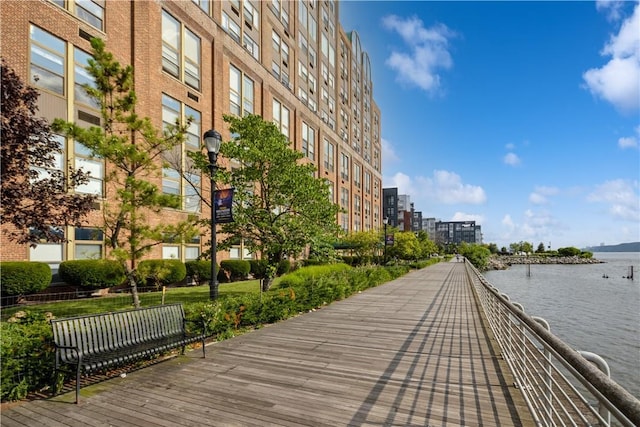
(289, 61)
(456, 232)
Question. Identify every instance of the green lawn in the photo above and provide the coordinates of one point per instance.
(113, 302)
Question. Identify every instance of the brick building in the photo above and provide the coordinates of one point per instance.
(289, 61)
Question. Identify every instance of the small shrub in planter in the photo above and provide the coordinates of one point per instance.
(200, 270)
(24, 277)
(162, 272)
(92, 274)
(236, 269)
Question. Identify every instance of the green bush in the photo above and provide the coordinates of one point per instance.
(284, 266)
(27, 355)
(305, 274)
(569, 251)
(199, 270)
(162, 272)
(92, 273)
(258, 268)
(236, 269)
(24, 277)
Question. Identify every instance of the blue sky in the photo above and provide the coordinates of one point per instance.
(522, 116)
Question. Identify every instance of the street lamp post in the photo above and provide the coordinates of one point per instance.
(212, 140)
(385, 221)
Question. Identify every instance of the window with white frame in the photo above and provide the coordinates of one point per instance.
(91, 12)
(94, 166)
(231, 27)
(82, 78)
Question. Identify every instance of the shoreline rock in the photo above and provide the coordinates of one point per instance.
(500, 262)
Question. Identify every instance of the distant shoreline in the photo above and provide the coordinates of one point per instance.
(622, 247)
(502, 262)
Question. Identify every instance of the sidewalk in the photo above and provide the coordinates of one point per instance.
(411, 352)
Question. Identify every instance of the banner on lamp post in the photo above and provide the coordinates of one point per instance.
(389, 239)
(223, 201)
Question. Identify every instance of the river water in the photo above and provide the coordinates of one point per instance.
(591, 307)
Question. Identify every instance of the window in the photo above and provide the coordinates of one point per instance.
(85, 161)
(367, 182)
(251, 46)
(356, 174)
(231, 27)
(328, 156)
(82, 78)
(308, 141)
(251, 15)
(182, 65)
(240, 92)
(344, 166)
(174, 112)
(344, 199)
(91, 11)
(88, 243)
(281, 117)
(331, 191)
(192, 59)
(204, 5)
(170, 44)
(48, 55)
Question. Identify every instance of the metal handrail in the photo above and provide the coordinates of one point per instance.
(561, 386)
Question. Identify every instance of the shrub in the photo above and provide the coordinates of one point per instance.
(92, 273)
(27, 355)
(161, 272)
(24, 277)
(200, 270)
(236, 269)
(284, 266)
(258, 268)
(305, 274)
(569, 251)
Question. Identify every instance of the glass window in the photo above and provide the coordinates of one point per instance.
(191, 253)
(170, 252)
(231, 27)
(308, 141)
(82, 78)
(204, 5)
(281, 117)
(328, 155)
(192, 60)
(170, 44)
(234, 90)
(91, 11)
(47, 60)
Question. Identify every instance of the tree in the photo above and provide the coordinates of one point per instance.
(35, 185)
(427, 246)
(540, 249)
(279, 208)
(134, 148)
(476, 254)
(405, 246)
(364, 243)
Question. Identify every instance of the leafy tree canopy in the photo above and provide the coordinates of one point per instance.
(34, 183)
(280, 208)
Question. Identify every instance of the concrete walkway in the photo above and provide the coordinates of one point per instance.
(412, 352)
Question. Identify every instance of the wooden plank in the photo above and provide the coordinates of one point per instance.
(414, 351)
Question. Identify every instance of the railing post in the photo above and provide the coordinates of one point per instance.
(604, 367)
(549, 380)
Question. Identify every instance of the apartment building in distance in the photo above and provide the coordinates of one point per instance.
(289, 61)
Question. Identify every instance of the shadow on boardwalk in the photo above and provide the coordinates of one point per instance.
(414, 351)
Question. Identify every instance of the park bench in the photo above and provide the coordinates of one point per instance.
(98, 342)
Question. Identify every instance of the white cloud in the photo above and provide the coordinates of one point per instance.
(461, 216)
(611, 7)
(630, 141)
(510, 146)
(388, 153)
(540, 195)
(443, 187)
(622, 197)
(618, 81)
(428, 51)
(511, 159)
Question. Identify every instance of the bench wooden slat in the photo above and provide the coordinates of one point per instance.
(99, 341)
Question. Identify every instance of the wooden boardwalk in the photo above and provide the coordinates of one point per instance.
(412, 352)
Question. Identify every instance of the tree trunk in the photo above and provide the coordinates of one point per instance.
(265, 283)
(131, 278)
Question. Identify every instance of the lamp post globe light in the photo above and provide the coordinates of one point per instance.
(385, 221)
(212, 140)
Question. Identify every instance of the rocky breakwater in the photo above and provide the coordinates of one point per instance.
(502, 262)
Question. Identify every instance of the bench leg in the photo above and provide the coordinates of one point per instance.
(78, 385)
